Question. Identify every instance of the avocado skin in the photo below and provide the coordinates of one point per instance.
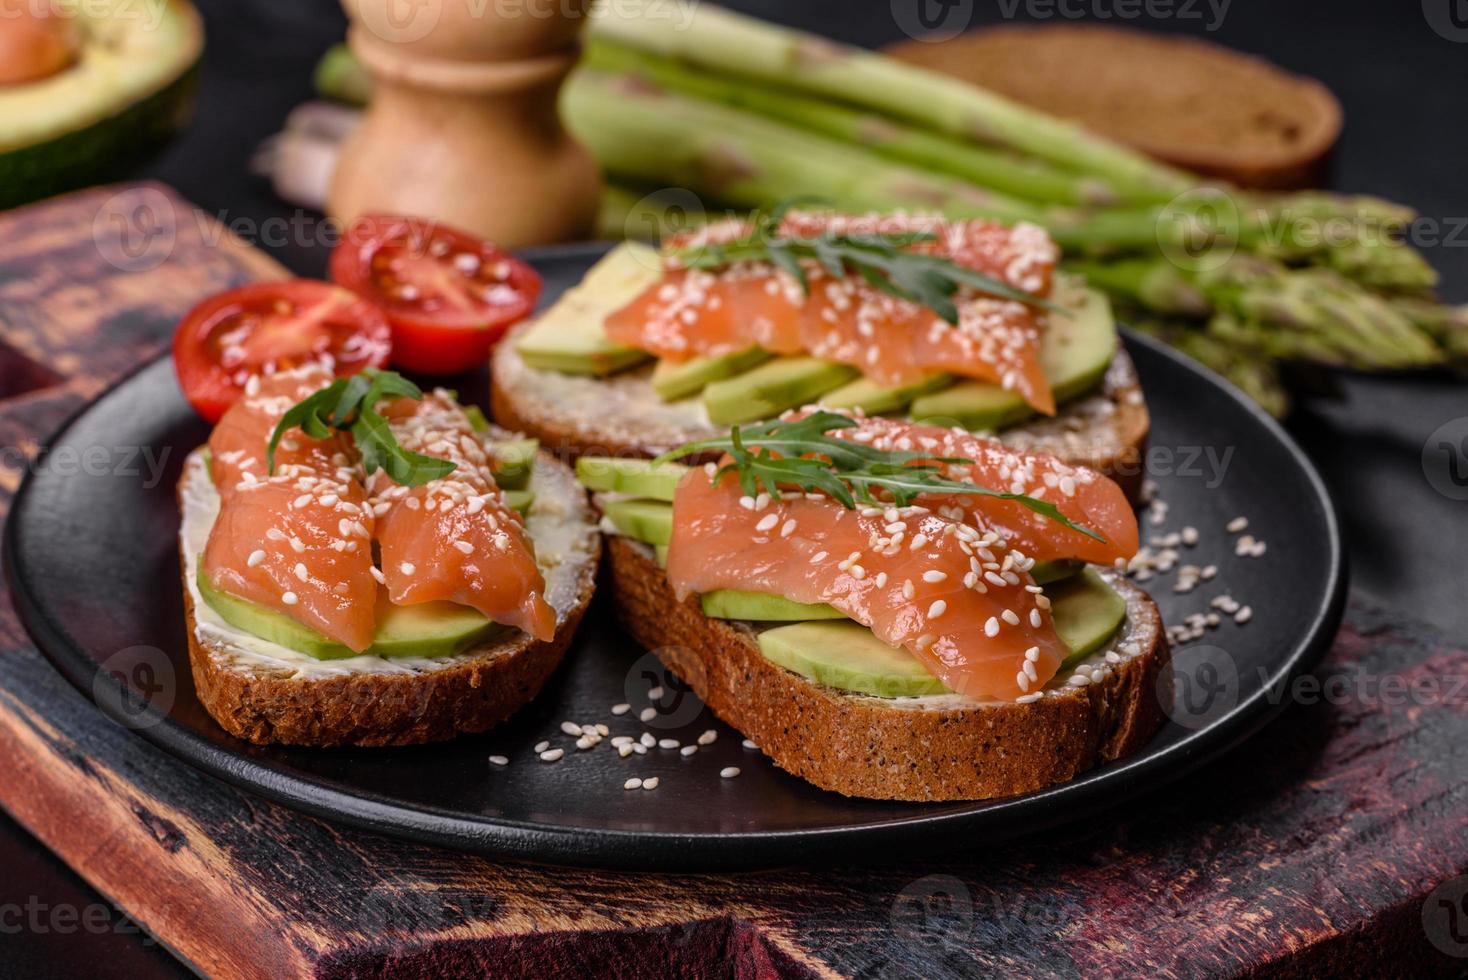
(101, 150)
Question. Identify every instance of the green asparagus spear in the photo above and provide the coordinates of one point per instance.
(995, 169)
(713, 38)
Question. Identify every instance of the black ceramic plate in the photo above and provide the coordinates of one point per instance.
(91, 552)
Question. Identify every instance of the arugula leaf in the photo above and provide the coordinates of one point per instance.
(847, 471)
(346, 405)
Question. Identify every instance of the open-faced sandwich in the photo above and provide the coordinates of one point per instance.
(954, 323)
(367, 565)
(891, 610)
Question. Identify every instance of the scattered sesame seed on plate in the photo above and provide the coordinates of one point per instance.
(650, 783)
(541, 746)
(668, 743)
(656, 693)
(584, 743)
(633, 783)
(648, 739)
(708, 737)
(1237, 524)
(748, 743)
(570, 728)
(647, 714)
(688, 750)
(621, 709)
(499, 760)
(728, 772)
(626, 749)
(552, 755)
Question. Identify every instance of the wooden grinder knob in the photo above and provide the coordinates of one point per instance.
(463, 125)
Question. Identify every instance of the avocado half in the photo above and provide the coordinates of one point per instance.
(131, 87)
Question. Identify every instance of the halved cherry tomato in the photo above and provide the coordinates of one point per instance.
(270, 326)
(448, 295)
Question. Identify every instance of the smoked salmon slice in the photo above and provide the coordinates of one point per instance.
(699, 312)
(946, 577)
(299, 541)
(455, 538)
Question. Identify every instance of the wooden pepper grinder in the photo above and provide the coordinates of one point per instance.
(463, 125)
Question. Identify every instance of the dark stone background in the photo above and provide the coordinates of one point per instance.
(1401, 82)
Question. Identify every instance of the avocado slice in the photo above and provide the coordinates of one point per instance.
(1087, 613)
(514, 459)
(569, 337)
(766, 391)
(1079, 345)
(849, 657)
(763, 607)
(431, 629)
(673, 380)
(648, 521)
(130, 88)
(637, 477)
(877, 399)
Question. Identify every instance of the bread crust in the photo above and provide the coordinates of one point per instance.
(274, 706)
(872, 747)
(1105, 430)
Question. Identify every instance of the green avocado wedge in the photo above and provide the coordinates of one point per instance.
(569, 337)
(877, 399)
(1087, 613)
(130, 88)
(432, 629)
(673, 380)
(635, 477)
(648, 521)
(771, 388)
(763, 607)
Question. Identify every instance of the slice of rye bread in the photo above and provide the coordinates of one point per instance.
(1182, 100)
(268, 694)
(945, 747)
(578, 415)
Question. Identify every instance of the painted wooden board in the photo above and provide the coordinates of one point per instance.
(1335, 841)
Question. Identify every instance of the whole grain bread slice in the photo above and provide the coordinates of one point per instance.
(1182, 100)
(922, 749)
(577, 415)
(267, 694)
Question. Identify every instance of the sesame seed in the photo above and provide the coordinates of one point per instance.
(585, 742)
(937, 609)
(1237, 524)
(407, 568)
(639, 748)
(818, 557)
(991, 627)
(552, 755)
(633, 783)
(599, 728)
(907, 590)
(688, 750)
(1010, 617)
(1022, 681)
(1079, 680)
(650, 783)
(933, 575)
(1035, 619)
(918, 540)
(787, 528)
(668, 743)
(728, 772)
(748, 743)
(499, 760)
(708, 737)
(256, 557)
(647, 714)
(465, 547)
(858, 573)
(1243, 615)
(655, 693)
(289, 599)
(541, 746)
(621, 709)
(625, 749)
(1032, 654)
(570, 728)
(648, 740)
(767, 522)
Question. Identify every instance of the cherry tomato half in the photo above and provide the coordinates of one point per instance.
(270, 326)
(448, 295)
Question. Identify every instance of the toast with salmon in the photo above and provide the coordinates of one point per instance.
(892, 610)
(332, 603)
(656, 349)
